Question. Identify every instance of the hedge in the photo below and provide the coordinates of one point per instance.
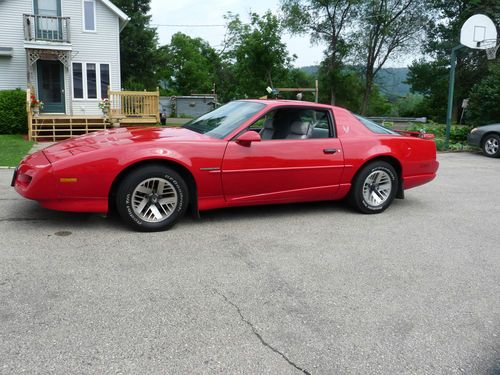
(13, 116)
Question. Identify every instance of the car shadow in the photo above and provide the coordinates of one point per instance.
(276, 211)
(31, 212)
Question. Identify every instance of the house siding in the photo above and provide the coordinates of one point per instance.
(101, 47)
(13, 70)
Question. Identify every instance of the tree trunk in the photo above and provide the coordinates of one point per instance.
(332, 96)
(368, 90)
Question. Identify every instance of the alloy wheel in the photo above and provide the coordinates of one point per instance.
(154, 200)
(377, 188)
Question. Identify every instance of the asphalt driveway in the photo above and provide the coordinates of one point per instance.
(312, 288)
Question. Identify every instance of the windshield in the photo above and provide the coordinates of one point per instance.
(374, 127)
(222, 121)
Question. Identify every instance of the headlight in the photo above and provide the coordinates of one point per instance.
(473, 130)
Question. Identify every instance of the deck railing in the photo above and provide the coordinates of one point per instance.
(134, 104)
(46, 28)
(29, 91)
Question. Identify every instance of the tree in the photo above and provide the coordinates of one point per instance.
(259, 57)
(442, 34)
(325, 21)
(384, 29)
(187, 65)
(138, 46)
(484, 103)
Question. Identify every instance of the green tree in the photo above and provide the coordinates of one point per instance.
(259, 56)
(442, 34)
(385, 28)
(484, 103)
(187, 65)
(326, 22)
(138, 46)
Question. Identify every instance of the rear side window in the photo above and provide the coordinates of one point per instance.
(374, 127)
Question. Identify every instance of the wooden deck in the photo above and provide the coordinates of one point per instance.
(128, 108)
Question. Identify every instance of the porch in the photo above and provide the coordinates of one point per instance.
(130, 108)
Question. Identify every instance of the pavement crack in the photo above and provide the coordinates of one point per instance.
(258, 335)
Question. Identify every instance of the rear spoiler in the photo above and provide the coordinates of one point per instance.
(421, 134)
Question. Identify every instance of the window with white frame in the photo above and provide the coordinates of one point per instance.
(89, 15)
(91, 80)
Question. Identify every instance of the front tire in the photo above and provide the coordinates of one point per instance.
(491, 146)
(374, 188)
(152, 198)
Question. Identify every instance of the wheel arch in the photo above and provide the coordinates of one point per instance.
(179, 168)
(394, 162)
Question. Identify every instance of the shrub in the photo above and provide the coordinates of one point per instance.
(13, 116)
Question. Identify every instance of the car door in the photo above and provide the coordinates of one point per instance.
(284, 170)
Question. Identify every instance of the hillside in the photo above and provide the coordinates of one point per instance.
(389, 80)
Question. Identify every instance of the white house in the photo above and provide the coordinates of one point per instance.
(67, 50)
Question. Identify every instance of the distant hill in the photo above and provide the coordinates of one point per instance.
(389, 80)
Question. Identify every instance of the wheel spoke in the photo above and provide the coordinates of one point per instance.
(144, 189)
(141, 205)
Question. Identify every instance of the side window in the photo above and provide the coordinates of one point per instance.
(293, 123)
(264, 121)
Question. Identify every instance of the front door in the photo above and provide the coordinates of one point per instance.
(51, 85)
(284, 166)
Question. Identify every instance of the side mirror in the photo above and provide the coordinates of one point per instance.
(248, 137)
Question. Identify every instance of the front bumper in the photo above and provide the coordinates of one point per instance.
(34, 178)
(474, 139)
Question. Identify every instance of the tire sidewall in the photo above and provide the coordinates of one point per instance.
(358, 197)
(491, 136)
(126, 189)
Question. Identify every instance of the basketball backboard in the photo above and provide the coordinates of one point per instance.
(478, 32)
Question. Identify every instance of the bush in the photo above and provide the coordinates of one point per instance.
(13, 116)
(458, 135)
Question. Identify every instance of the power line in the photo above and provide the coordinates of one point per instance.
(165, 25)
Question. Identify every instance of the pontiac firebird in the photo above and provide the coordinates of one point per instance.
(247, 152)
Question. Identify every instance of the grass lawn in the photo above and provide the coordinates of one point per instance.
(12, 149)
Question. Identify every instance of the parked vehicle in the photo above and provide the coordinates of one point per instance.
(488, 138)
(247, 152)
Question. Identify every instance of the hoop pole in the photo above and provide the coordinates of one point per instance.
(451, 92)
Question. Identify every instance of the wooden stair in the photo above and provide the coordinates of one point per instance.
(57, 127)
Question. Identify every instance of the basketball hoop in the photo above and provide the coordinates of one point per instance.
(491, 48)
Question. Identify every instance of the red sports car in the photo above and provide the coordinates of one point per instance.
(247, 152)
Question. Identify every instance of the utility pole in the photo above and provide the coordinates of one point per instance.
(451, 92)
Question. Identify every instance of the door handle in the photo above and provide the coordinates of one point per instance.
(329, 150)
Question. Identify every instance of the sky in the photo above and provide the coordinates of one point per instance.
(190, 12)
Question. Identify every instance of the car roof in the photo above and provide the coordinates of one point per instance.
(284, 102)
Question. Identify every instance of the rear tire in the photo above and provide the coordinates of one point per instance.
(152, 198)
(491, 146)
(374, 188)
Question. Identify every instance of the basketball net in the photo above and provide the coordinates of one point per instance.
(491, 48)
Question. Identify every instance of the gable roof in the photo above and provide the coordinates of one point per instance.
(121, 15)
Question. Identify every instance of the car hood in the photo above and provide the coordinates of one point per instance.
(486, 128)
(115, 138)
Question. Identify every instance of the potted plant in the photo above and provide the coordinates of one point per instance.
(36, 105)
(105, 105)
